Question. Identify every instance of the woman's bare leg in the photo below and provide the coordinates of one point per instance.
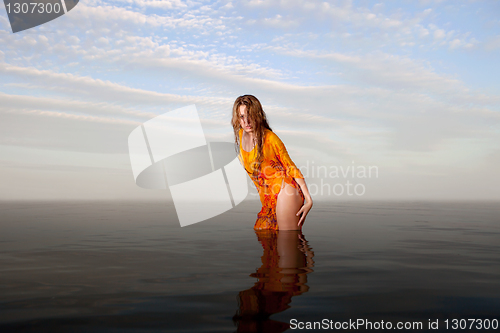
(287, 205)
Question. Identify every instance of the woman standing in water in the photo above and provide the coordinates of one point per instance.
(281, 185)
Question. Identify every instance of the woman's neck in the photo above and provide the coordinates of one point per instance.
(249, 136)
(250, 139)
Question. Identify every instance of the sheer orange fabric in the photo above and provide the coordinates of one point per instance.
(276, 169)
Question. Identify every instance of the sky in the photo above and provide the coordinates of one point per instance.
(406, 89)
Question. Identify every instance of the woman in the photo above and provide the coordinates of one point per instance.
(280, 183)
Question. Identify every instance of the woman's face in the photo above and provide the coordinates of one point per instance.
(244, 121)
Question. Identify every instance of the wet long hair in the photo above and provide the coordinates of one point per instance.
(258, 120)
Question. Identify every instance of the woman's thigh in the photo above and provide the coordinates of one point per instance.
(288, 204)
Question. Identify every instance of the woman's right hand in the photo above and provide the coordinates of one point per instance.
(303, 212)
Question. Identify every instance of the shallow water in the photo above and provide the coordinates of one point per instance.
(130, 267)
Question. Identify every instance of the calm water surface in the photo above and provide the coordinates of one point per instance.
(130, 267)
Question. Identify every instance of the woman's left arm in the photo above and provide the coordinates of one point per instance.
(307, 205)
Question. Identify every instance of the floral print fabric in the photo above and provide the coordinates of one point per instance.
(276, 169)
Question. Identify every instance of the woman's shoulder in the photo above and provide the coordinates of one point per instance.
(270, 136)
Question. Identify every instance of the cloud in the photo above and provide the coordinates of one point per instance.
(64, 131)
(277, 22)
(296, 106)
(23, 102)
(163, 4)
(382, 69)
(493, 43)
(102, 90)
(439, 34)
(376, 26)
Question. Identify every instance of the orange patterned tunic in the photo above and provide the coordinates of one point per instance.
(277, 167)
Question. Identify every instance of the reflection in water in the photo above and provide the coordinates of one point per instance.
(286, 261)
